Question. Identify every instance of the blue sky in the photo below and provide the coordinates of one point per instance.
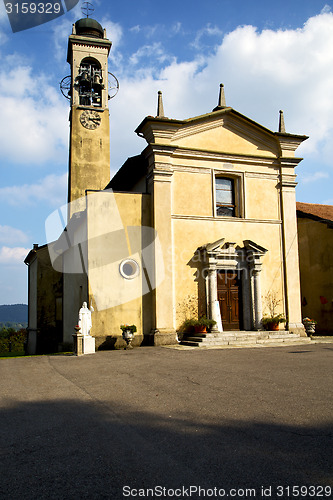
(269, 55)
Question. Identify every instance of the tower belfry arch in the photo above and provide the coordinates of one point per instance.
(89, 154)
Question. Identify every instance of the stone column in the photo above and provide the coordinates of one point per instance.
(257, 299)
(246, 294)
(212, 297)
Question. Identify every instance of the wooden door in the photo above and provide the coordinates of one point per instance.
(229, 297)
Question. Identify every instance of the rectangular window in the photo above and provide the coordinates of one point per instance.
(225, 197)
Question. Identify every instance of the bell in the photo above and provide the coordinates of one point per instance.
(84, 79)
(98, 81)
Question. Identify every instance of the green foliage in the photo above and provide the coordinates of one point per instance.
(189, 324)
(308, 321)
(131, 328)
(278, 318)
(12, 340)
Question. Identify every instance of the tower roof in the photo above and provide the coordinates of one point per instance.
(89, 27)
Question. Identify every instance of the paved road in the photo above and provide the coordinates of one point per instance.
(238, 419)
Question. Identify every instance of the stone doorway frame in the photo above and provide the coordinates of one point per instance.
(247, 261)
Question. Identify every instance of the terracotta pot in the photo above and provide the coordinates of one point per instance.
(273, 326)
(200, 329)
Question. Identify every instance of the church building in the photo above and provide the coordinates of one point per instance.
(201, 222)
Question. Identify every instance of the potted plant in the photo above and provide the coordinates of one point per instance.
(200, 325)
(272, 322)
(128, 333)
(309, 325)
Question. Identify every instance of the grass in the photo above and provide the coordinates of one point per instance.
(19, 354)
(14, 354)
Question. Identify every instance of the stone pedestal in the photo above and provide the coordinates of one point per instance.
(83, 344)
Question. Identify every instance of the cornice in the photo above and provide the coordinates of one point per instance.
(225, 219)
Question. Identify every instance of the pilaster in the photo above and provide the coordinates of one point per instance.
(290, 251)
(159, 184)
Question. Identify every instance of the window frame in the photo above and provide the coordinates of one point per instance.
(237, 179)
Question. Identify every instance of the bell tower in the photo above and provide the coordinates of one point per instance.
(89, 151)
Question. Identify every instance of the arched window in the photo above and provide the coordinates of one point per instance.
(90, 83)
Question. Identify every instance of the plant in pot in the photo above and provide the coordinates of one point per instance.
(272, 320)
(128, 333)
(309, 325)
(200, 325)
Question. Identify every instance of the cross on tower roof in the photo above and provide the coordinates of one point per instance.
(87, 8)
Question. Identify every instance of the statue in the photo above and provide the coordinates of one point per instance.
(85, 323)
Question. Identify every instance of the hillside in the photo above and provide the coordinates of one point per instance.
(16, 313)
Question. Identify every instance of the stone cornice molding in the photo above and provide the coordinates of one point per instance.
(160, 173)
(289, 142)
(254, 253)
(88, 42)
(224, 220)
(287, 183)
(228, 255)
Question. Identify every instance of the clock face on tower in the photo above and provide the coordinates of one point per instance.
(90, 119)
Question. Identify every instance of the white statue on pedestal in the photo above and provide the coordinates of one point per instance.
(85, 323)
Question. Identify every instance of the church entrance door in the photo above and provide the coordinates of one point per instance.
(229, 297)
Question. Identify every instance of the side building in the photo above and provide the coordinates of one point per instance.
(315, 241)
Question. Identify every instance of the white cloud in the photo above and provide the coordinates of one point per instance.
(326, 9)
(10, 235)
(316, 176)
(153, 51)
(52, 190)
(135, 29)
(208, 30)
(177, 28)
(263, 72)
(14, 255)
(114, 31)
(61, 29)
(35, 118)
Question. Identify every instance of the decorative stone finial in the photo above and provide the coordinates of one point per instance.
(222, 96)
(221, 103)
(282, 127)
(160, 110)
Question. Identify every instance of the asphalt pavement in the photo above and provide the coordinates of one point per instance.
(157, 422)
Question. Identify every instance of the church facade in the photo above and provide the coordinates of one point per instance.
(202, 222)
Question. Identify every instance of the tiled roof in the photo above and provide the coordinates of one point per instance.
(324, 212)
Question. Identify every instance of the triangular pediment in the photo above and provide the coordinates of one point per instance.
(226, 132)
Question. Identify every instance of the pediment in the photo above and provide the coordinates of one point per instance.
(226, 132)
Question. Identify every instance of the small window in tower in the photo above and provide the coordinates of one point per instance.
(225, 197)
(90, 83)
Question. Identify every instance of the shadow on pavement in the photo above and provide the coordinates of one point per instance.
(72, 449)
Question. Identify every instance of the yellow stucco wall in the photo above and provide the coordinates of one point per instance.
(315, 242)
(89, 165)
(118, 227)
(222, 135)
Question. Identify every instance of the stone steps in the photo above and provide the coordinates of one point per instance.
(243, 339)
